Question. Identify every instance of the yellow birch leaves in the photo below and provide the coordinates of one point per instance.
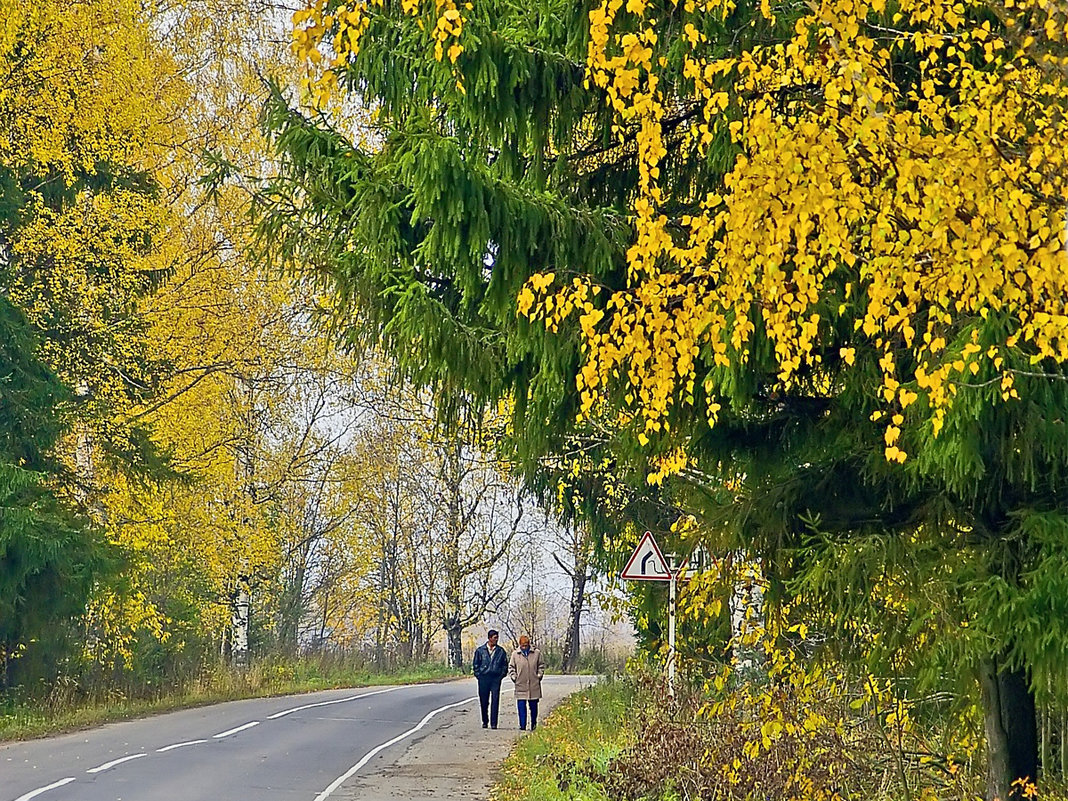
(902, 173)
(336, 29)
(894, 199)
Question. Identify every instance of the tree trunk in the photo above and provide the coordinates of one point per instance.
(574, 618)
(292, 606)
(454, 631)
(239, 644)
(1064, 745)
(323, 621)
(1045, 761)
(451, 622)
(380, 633)
(747, 615)
(1010, 723)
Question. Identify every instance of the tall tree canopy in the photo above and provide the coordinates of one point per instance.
(806, 257)
(176, 356)
(78, 216)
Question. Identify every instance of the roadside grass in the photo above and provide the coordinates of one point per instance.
(575, 744)
(70, 708)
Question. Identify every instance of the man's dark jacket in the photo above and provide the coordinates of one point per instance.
(487, 666)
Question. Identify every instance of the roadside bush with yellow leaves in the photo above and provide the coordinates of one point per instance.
(796, 729)
(810, 733)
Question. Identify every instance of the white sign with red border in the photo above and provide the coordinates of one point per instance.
(647, 563)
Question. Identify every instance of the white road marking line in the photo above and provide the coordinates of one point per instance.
(367, 757)
(179, 745)
(39, 790)
(228, 732)
(277, 715)
(114, 762)
(378, 748)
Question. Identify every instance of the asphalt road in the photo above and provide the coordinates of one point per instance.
(306, 747)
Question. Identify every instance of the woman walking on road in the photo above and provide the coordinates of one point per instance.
(526, 670)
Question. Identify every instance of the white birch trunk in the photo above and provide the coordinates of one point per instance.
(239, 646)
(747, 615)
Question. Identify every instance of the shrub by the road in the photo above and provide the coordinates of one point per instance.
(815, 735)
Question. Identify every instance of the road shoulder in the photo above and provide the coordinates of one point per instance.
(457, 759)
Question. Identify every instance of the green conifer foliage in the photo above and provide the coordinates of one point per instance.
(423, 228)
(49, 558)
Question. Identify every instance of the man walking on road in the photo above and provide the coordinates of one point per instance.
(526, 671)
(490, 666)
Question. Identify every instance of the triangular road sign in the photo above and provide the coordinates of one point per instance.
(647, 563)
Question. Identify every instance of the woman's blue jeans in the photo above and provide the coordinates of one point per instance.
(522, 705)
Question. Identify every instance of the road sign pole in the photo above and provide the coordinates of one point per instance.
(671, 623)
(648, 563)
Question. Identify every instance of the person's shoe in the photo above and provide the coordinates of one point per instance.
(522, 728)
(533, 726)
(484, 724)
(493, 727)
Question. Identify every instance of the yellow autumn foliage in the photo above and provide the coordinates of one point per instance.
(115, 103)
(913, 209)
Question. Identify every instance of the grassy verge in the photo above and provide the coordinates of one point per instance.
(564, 757)
(20, 720)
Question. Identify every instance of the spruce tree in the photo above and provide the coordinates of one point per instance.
(50, 558)
(497, 165)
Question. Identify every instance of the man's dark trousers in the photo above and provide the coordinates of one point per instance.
(489, 695)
